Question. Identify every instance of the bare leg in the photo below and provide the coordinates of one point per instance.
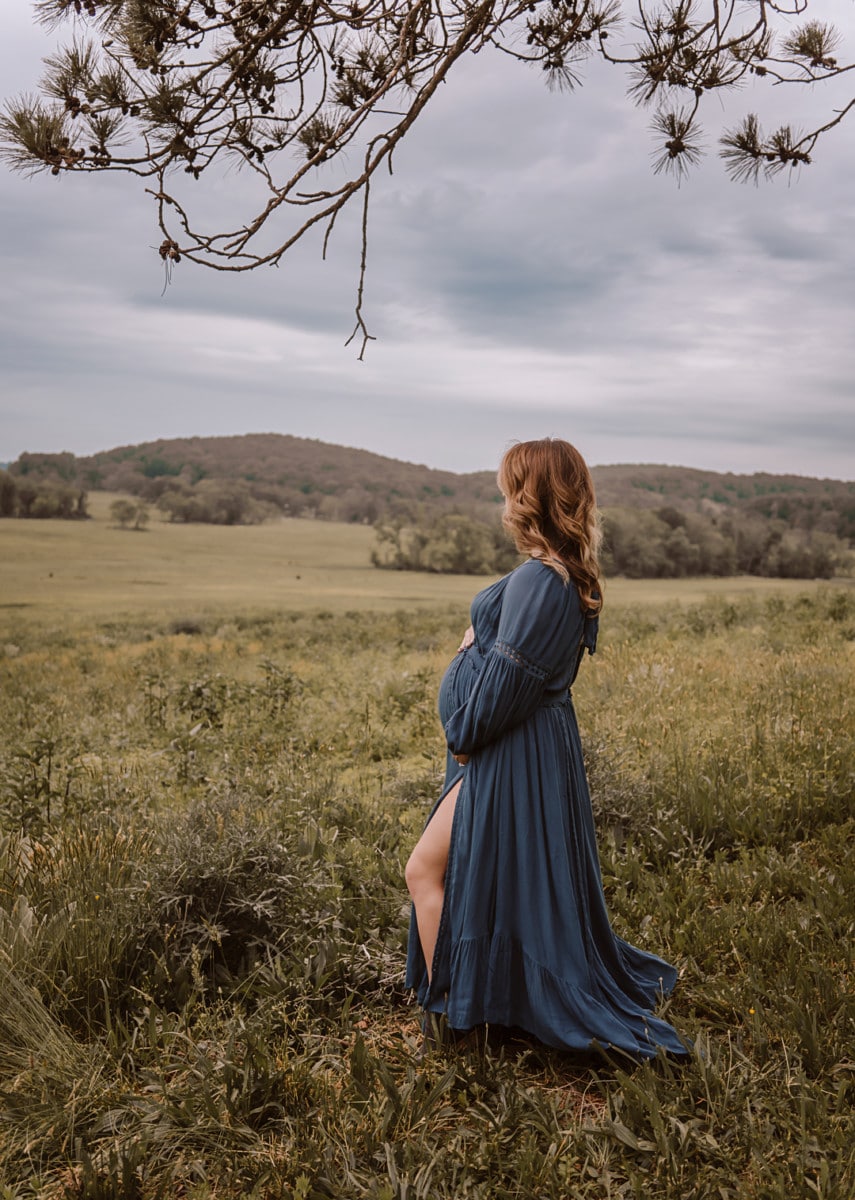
(425, 874)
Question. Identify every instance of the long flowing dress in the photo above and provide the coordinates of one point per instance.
(524, 937)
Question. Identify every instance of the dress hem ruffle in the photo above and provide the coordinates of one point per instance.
(505, 986)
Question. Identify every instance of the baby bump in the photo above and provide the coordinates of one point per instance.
(457, 683)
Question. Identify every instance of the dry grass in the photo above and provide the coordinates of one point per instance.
(61, 572)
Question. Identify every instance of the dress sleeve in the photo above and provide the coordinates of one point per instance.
(536, 627)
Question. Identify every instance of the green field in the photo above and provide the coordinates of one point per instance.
(202, 910)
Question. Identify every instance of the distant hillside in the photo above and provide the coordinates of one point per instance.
(798, 502)
(294, 476)
(276, 473)
(657, 520)
(693, 490)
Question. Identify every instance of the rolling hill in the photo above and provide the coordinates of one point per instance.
(306, 477)
(657, 520)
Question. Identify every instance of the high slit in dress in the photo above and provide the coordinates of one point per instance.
(524, 937)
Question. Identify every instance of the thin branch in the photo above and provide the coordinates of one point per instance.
(360, 326)
(167, 91)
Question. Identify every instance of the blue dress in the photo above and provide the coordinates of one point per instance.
(524, 937)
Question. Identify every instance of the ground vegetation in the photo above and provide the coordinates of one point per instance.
(128, 514)
(203, 826)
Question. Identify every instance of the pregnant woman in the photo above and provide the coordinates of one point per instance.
(509, 922)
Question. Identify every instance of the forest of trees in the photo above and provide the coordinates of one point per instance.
(665, 543)
(451, 544)
(647, 544)
(657, 521)
(40, 497)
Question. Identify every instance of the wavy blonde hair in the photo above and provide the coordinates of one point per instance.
(551, 511)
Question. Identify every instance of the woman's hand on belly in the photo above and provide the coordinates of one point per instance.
(468, 639)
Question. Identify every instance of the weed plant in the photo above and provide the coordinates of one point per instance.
(203, 920)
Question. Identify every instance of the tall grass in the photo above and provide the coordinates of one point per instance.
(202, 918)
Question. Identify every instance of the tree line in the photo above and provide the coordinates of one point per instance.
(639, 544)
(245, 479)
(658, 522)
(41, 498)
(667, 543)
(451, 544)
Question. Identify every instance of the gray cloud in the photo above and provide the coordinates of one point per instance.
(528, 275)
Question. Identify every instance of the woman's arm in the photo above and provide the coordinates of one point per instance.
(536, 630)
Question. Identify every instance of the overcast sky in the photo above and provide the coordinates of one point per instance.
(528, 275)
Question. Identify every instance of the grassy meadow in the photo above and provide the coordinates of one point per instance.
(72, 572)
(211, 774)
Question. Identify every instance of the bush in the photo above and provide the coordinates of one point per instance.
(452, 544)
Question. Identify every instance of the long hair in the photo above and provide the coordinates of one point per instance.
(551, 511)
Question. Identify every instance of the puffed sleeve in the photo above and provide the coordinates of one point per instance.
(539, 618)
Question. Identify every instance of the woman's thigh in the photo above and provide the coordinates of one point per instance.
(430, 855)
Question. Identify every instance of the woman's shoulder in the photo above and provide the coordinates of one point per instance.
(499, 586)
(540, 613)
(535, 580)
(537, 573)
